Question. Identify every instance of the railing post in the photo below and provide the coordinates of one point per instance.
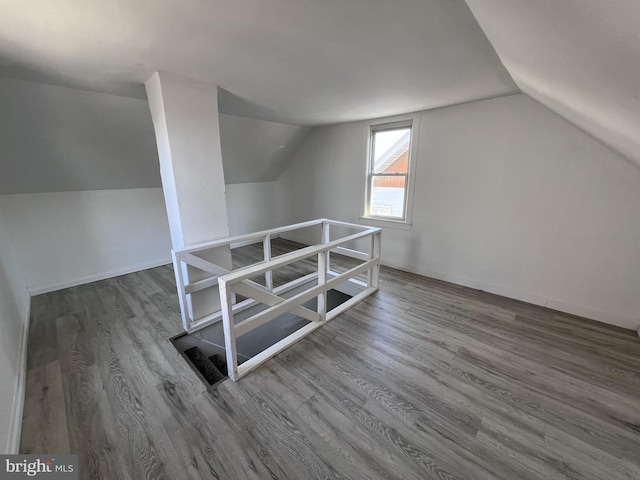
(323, 258)
(326, 238)
(268, 276)
(182, 294)
(226, 306)
(373, 275)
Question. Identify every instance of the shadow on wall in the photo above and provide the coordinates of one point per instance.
(231, 104)
(58, 139)
(10, 318)
(54, 142)
(14, 67)
(257, 150)
(62, 148)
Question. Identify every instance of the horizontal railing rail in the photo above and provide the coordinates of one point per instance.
(250, 236)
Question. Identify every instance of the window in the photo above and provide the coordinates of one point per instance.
(388, 166)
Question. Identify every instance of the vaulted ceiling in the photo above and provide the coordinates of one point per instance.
(302, 62)
(579, 58)
(310, 62)
(57, 139)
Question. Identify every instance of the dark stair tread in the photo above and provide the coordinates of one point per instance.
(205, 366)
(220, 363)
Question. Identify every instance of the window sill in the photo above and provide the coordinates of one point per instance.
(383, 222)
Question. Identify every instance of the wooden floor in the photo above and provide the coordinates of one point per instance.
(423, 380)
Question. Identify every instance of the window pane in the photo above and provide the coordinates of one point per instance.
(387, 197)
(391, 151)
(392, 182)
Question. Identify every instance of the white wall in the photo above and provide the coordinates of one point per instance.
(510, 198)
(69, 238)
(251, 207)
(13, 312)
(186, 123)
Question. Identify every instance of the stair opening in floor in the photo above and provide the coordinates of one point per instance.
(204, 349)
(230, 307)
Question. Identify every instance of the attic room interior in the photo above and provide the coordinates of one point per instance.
(480, 159)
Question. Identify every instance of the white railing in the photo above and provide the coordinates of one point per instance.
(315, 285)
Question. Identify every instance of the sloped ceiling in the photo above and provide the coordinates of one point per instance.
(257, 150)
(290, 61)
(58, 139)
(308, 63)
(579, 58)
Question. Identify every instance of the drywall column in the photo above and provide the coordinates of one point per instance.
(185, 119)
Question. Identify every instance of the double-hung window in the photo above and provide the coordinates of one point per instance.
(388, 167)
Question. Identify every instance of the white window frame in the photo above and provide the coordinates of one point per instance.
(404, 121)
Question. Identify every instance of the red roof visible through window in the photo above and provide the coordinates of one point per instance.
(399, 165)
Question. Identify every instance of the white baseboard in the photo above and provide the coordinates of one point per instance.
(38, 290)
(533, 298)
(593, 314)
(17, 406)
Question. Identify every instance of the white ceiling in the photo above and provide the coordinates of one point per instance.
(580, 58)
(303, 62)
(312, 62)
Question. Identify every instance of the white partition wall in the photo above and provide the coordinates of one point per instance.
(185, 119)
